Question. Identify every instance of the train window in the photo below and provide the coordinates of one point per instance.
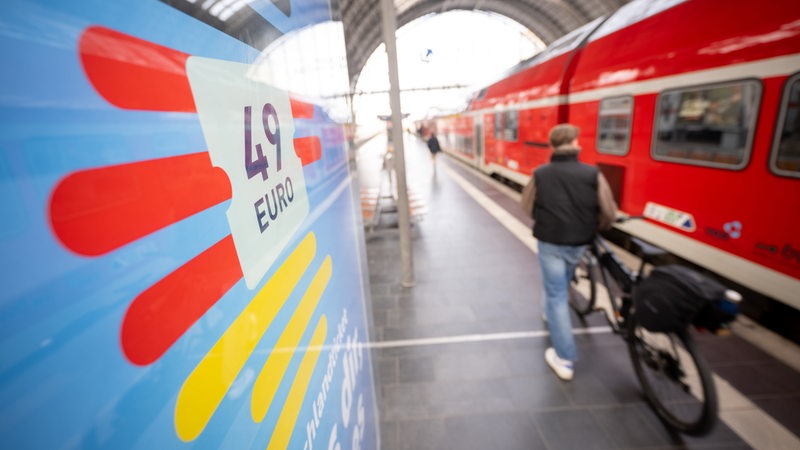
(511, 121)
(498, 126)
(466, 145)
(614, 120)
(708, 125)
(786, 150)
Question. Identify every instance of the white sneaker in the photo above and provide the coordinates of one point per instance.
(561, 367)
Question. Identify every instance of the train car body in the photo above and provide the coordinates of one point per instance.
(692, 111)
(183, 253)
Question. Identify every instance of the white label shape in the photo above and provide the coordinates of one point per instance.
(269, 199)
(673, 217)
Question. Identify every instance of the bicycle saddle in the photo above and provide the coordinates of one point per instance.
(648, 250)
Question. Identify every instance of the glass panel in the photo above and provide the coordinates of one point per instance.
(614, 125)
(498, 126)
(511, 125)
(786, 154)
(711, 126)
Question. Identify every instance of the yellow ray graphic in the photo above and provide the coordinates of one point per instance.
(205, 388)
(270, 377)
(288, 418)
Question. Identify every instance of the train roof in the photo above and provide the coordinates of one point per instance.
(628, 14)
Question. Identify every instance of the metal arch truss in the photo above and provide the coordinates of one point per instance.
(548, 19)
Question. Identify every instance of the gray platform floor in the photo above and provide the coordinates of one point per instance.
(458, 357)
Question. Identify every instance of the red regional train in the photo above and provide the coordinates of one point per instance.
(692, 111)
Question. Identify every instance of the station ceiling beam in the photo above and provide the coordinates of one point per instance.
(548, 19)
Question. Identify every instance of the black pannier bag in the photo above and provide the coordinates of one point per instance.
(674, 296)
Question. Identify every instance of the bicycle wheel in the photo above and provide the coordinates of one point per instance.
(583, 288)
(675, 378)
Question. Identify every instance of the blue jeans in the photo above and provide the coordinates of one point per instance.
(558, 264)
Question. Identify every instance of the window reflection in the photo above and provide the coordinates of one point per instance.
(711, 125)
(786, 155)
(614, 125)
(511, 120)
(498, 126)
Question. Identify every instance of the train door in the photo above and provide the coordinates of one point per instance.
(478, 143)
(489, 141)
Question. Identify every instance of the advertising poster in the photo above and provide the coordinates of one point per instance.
(183, 257)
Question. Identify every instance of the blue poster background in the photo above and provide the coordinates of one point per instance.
(64, 379)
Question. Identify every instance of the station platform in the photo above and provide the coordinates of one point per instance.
(458, 358)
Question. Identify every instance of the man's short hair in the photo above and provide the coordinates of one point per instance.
(562, 134)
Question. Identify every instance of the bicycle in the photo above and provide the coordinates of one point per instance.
(675, 377)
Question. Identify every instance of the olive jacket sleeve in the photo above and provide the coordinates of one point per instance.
(605, 199)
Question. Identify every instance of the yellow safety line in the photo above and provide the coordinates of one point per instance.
(205, 388)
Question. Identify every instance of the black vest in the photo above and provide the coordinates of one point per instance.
(566, 208)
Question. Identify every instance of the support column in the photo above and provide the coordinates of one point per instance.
(403, 213)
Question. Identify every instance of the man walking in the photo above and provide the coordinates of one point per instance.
(572, 200)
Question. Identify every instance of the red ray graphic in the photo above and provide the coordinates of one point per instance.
(99, 210)
(161, 314)
(301, 110)
(131, 73)
(308, 149)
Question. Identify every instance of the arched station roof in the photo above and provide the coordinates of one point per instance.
(363, 25)
(548, 19)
